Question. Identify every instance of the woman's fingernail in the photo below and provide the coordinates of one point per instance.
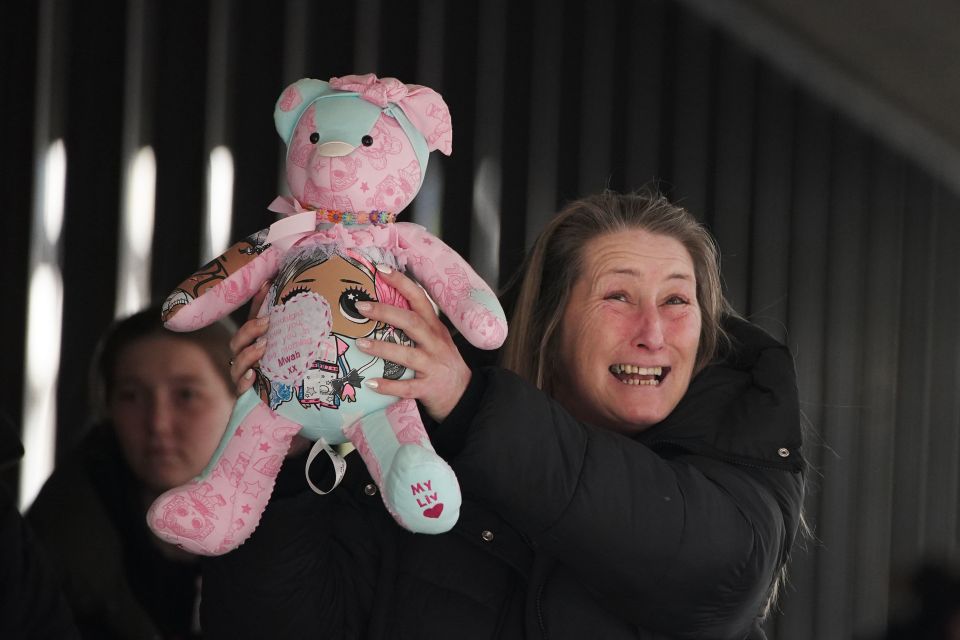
(261, 341)
(248, 374)
(371, 384)
(263, 321)
(364, 306)
(383, 268)
(363, 343)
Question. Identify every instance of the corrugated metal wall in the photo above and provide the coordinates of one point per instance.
(831, 240)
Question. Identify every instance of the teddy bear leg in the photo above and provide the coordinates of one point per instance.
(218, 510)
(418, 487)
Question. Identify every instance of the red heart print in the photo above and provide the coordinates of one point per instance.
(434, 511)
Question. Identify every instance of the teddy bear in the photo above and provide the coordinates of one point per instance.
(357, 150)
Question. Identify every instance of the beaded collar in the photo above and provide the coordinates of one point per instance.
(356, 217)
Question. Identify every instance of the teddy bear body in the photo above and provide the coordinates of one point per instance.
(357, 151)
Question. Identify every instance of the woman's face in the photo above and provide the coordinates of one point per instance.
(169, 407)
(630, 331)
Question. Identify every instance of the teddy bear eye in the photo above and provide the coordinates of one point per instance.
(366, 141)
(314, 138)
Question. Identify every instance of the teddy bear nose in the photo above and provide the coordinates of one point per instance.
(335, 148)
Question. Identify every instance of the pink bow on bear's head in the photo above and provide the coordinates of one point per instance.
(423, 106)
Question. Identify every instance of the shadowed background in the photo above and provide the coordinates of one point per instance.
(828, 174)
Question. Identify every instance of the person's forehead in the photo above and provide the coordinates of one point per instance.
(158, 351)
(637, 252)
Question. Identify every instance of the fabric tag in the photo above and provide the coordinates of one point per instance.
(286, 231)
(339, 465)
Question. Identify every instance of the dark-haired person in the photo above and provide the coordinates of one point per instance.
(163, 400)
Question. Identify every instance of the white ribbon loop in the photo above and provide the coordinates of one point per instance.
(339, 465)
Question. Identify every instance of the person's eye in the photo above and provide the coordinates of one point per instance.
(677, 300)
(186, 394)
(617, 295)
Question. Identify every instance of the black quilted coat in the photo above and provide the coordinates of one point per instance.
(566, 531)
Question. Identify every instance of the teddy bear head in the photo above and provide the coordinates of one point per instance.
(359, 143)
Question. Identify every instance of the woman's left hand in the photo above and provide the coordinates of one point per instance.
(441, 375)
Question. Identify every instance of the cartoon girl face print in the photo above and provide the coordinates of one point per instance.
(343, 285)
(327, 378)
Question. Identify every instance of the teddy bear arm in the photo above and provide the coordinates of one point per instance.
(454, 286)
(220, 287)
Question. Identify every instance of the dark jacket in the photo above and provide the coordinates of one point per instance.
(91, 519)
(566, 531)
(31, 603)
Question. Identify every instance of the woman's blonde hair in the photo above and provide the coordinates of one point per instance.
(556, 260)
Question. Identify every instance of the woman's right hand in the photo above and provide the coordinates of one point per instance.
(248, 345)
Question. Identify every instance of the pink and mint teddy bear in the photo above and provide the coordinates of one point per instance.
(357, 150)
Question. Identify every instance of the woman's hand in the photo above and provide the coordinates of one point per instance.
(441, 375)
(248, 344)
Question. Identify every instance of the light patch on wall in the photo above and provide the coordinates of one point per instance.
(485, 228)
(55, 181)
(219, 202)
(44, 325)
(136, 232)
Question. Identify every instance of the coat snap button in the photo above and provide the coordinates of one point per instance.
(486, 535)
(783, 452)
(370, 489)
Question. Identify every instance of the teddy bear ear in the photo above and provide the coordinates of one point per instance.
(293, 102)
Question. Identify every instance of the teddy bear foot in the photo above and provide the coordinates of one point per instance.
(421, 491)
(218, 510)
